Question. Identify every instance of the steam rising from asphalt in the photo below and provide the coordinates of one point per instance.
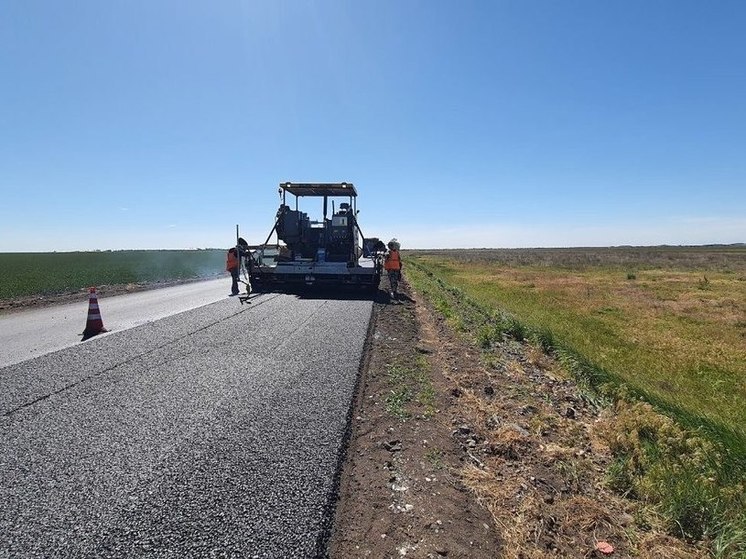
(163, 265)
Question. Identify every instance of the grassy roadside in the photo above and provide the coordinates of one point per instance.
(676, 333)
(689, 468)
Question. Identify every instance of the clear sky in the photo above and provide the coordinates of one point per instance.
(164, 123)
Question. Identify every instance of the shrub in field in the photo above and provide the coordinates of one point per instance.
(516, 329)
(544, 338)
(485, 336)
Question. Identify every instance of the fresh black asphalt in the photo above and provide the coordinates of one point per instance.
(212, 433)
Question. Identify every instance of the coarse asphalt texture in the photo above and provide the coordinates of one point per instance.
(212, 433)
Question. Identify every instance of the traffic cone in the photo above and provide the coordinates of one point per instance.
(94, 325)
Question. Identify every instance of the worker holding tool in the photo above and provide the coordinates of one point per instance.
(392, 264)
(232, 265)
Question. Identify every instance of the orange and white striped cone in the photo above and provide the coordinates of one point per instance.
(94, 325)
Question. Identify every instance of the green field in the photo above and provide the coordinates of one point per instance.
(26, 274)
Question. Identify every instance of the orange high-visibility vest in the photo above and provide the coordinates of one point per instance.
(393, 261)
(231, 262)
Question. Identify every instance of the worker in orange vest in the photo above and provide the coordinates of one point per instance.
(392, 264)
(231, 265)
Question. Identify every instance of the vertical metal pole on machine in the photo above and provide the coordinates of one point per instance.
(238, 254)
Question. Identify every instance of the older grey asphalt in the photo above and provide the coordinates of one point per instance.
(212, 433)
(31, 333)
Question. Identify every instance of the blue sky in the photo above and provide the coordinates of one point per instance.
(163, 124)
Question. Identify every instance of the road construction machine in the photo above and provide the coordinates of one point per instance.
(328, 252)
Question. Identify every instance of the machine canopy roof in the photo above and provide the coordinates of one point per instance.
(319, 189)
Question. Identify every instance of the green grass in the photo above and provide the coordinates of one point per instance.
(410, 383)
(435, 457)
(26, 274)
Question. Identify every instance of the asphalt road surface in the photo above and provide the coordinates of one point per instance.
(215, 432)
(38, 331)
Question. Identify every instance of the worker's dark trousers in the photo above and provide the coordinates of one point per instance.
(234, 285)
(394, 278)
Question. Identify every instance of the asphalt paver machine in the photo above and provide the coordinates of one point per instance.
(330, 252)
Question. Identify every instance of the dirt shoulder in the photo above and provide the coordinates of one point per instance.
(453, 456)
(398, 496)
